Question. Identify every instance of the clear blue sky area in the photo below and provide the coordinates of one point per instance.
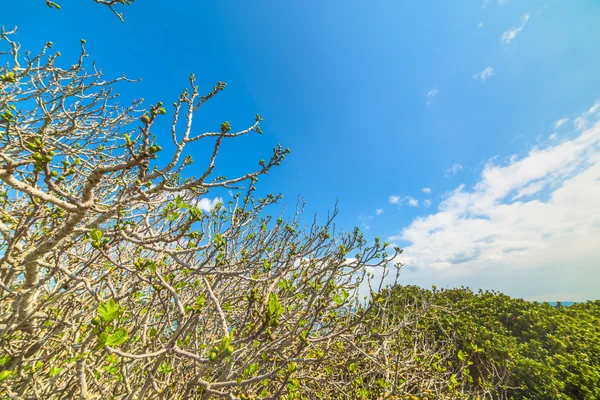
(377, 100)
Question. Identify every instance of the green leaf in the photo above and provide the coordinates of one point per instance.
(109, 310)
(292, 367)
(117, 337)
(253, 368)
(275, 308)
(165, 368)
(179, 203)
(102, 338)
(200, 300)
(55, 371)
(453, 380)
(4, 359)
(96, 235)
(226, 341)
(338, 299)
(4, 375)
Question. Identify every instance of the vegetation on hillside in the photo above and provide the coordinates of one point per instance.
(495, 346)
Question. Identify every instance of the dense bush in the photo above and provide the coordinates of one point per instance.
(515, 349)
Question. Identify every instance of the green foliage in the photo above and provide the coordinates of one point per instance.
(274, 310)
(514, 348)
(4, 375)
(165, 368)
(117, 337)
(109, 311)
(4, 359)
(96, 236)
(225, 127)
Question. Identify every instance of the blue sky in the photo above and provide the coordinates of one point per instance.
(379, 100)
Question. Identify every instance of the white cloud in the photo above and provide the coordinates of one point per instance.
(426, 190)
(510, 34)
(582, 122)
(427, 203)
(529, 228)
(430, 95)
(406, 200)
(560, 122)
(553, 136)
(379, 211)
(484, 75)
(453, 170)
(207, 205)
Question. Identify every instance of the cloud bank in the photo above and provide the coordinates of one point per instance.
(529, 227)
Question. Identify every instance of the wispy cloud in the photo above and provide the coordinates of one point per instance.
(430, 95)
(379, 211)
(510, 34)
(453, 170)
(487, 73)
(532, 218)
(582, 122)
(426, 190)
(427, 203)
(560, 122)
(401, 201)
